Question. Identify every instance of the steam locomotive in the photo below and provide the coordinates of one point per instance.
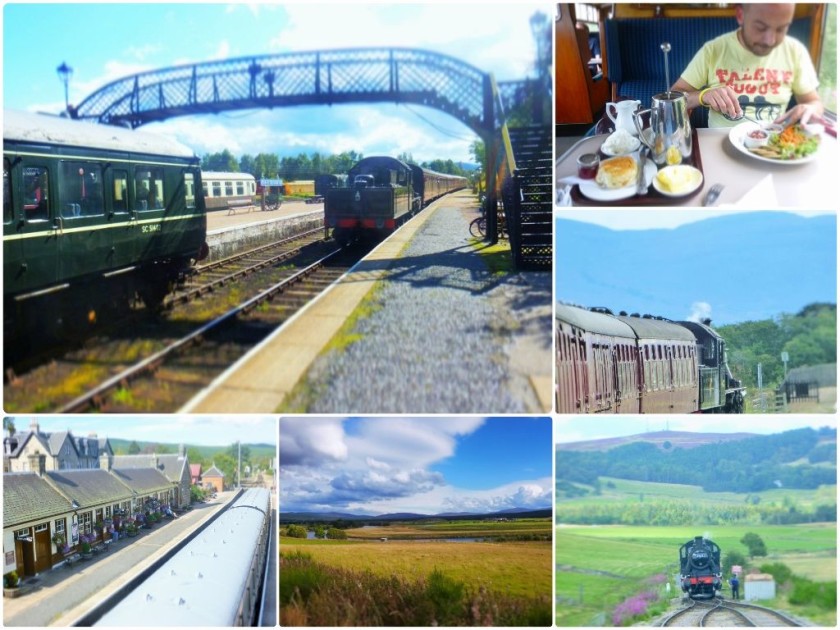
(700, 573)
(382, 193)
(640, 364)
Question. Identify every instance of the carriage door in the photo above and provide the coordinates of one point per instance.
(31, 260)
(121, 218)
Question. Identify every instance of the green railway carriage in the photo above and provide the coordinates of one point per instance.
(93, 216)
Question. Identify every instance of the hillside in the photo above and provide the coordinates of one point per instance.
(662, 439)
(749, 464)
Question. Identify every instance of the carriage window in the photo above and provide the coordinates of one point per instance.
(36, 196)
(228, 189)
(240, 188)
(189, 190)
(217, 189)
(81, 191)
(204, 189)
(148, 189)
(120, 191)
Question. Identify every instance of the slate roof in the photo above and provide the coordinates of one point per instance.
(27, 497)
(89, 487)
(143, 480)
(823, 375)
(213, 472)
(170, 465)
(23, 437)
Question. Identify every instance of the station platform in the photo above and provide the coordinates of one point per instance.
(436, 333)
(249, 226)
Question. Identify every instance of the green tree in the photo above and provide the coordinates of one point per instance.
(296, 531)
(223, 162)
(733, 558)
(133, 448)
(333, 533)
(754, 544)
(9, 426)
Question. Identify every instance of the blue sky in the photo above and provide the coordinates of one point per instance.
(578, 429)
(191, 430)
(103, 42)
(424, 465)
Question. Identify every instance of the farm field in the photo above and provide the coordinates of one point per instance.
(619, 490)
(450, 529)
(598, 567)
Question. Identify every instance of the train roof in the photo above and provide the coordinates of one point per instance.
(593, 321)
(54, 130)
(701, 330)
(200, 585)
(377, 160)
(223, 175)
(652, 328)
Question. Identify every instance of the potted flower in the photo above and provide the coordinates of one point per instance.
(87, 552)
(11, 584)
(130, 528)
(59, 541)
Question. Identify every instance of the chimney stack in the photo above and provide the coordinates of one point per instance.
(105, 462)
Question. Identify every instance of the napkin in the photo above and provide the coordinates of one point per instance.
(761, 196)
(564, 196)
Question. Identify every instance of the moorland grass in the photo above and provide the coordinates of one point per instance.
(316, 594)
(518, 569)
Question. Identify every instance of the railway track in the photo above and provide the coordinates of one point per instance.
(721, 613)
(157, 365)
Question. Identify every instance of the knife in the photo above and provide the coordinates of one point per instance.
(641, 180)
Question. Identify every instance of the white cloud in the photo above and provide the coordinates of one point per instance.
(311, 441)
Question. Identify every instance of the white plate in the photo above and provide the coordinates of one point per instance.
(698, 181)
(606, 151)
(739, 132)
(594, 192)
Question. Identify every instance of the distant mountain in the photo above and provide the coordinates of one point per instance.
(662, 439)
(288, 517)
(746, 266)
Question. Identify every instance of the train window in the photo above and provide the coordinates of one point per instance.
(120, 191)
(204, 189)
(217, 189)
(148, 189)
(7, 192)
(189, 190)
(80, 189)
(240, 188)
(36, 193)
(228, 189)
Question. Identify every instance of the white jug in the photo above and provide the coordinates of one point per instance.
(623, 117)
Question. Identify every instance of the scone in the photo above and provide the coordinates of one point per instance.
(617, 172)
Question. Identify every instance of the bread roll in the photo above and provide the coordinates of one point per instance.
(617, 172)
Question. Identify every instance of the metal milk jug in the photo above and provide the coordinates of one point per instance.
(623, 117)
(669, 132)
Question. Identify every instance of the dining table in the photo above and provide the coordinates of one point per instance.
(747, 182)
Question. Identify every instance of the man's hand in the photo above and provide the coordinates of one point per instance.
(721, 99)
(802, 113)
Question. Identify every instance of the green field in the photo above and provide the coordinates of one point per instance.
(600, 566)
(447, 529)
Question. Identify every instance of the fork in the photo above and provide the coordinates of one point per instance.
(712, 195)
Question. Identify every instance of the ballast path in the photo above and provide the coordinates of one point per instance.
(445, 335)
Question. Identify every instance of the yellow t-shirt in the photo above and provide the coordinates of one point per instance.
(764, 85)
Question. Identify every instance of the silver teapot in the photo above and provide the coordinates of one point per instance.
(669, 132)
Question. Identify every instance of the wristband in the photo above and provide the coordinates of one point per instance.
(702, 92)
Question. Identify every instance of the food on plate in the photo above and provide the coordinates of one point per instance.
(620, 142)
(617, 172)
(678, 179)
(791, 143)
(756, 138)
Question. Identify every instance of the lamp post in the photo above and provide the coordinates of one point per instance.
(64, 73)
